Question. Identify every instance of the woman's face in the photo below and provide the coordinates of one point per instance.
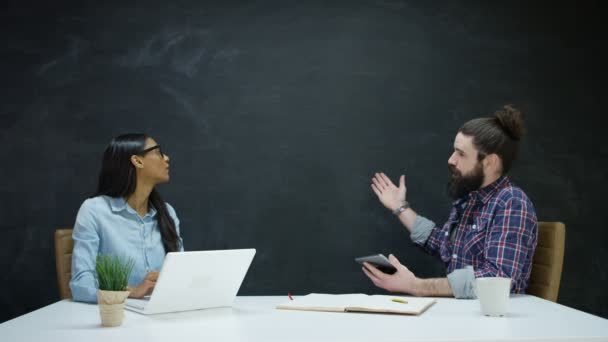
(154, 165)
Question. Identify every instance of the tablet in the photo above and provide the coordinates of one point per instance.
(380, 261)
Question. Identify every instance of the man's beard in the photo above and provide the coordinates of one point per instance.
(460, 185)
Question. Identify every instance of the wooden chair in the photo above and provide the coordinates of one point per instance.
(548, 261)
(63, 261)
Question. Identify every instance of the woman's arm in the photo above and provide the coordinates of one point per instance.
(86, 245)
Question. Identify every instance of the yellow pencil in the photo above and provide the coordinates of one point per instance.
(399, 300)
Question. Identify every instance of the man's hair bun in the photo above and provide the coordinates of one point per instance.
(511, 120)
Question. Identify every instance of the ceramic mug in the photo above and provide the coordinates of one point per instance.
(493, 295)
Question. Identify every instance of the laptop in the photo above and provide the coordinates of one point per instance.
(196, 280)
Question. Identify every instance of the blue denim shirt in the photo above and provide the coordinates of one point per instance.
(108, 225)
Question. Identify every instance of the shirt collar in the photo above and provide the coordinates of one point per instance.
(461, 200)
(119, 204)
(484, 194)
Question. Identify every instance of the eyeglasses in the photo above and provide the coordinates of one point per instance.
(143, 152)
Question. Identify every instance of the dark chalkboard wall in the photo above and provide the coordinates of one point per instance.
(276, 114)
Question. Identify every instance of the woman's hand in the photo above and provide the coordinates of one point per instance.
(145, 287)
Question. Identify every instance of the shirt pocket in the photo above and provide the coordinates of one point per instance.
(475, 237)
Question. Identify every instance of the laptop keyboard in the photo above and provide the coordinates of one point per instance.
(138, 303)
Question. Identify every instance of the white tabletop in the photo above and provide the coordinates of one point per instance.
(256, 319)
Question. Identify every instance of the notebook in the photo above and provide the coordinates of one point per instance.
(196, 280)
(359, 303)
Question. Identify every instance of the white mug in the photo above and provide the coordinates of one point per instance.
(493, 294)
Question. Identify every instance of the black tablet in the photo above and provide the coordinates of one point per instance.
(380, 261)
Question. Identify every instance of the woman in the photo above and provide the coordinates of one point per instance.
(126, 217)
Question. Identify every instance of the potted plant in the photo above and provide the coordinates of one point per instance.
(112, 277)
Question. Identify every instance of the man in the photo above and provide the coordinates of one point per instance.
(492, 229)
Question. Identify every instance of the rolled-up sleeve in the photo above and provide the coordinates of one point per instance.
(427, 235)
(462, 282)
(86, 245)
(421, 230)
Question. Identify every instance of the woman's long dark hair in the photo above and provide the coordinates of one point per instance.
(119, 179)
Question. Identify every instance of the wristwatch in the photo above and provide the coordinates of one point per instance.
(402, 208)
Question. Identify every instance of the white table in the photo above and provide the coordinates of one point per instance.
(255, 319)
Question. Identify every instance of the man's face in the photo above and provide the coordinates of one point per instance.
(466, 172)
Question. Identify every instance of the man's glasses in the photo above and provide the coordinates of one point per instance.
(143, 152)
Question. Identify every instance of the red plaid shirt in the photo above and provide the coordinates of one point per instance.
(494, 229)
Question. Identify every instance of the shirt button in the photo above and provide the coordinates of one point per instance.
(454, 256)
(446, 233)
(474, 227)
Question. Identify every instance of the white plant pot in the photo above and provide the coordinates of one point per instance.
(111, 307)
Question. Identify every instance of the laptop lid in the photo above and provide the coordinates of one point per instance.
(196, 280)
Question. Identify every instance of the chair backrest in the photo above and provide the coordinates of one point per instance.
(548, 261)
(63, 261)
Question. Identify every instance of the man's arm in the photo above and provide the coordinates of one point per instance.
(405, 281)
(393, 197)
(434, 287)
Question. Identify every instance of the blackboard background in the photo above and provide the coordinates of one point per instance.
(277, 113)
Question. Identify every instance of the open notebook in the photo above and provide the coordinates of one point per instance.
(359, 303)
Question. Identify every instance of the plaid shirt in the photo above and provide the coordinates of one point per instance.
(493, 229)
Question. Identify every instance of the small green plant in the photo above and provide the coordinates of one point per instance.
(113, 273)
